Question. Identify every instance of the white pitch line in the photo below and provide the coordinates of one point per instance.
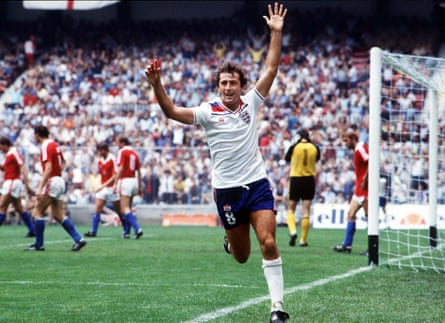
(50, 242)
(31, 241)
(126, 284)
(228, 310)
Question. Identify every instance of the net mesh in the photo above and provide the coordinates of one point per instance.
(411, 87)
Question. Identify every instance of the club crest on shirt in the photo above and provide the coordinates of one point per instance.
(245, 116)
(227, 208)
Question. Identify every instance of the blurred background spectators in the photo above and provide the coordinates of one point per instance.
(87, 84)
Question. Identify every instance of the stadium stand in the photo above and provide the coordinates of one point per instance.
(88, 85)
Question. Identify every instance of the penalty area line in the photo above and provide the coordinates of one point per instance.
(254, 301)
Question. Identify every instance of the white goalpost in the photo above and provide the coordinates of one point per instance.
(407, 161)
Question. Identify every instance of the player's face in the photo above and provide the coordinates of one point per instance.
(3, 148)
(103, 153)
(348, 143)
(230, 89)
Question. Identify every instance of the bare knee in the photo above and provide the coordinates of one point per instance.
(269, 247)
(240, 254)
(241, 258)
(351, 216)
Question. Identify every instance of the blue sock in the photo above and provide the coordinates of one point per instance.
(26, 217)
(39, 229)
(131, 222)
(2, 218)
(124, 223)
(68, 225)
(95, 223)
(349, 234)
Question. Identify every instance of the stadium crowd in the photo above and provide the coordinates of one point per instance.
(88, 86)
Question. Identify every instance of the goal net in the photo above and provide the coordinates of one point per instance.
(407, 165)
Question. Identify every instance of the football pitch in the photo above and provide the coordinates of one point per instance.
(182, 274)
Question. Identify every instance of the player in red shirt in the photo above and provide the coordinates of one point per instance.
(51, 191)
(104, 193)
(13, 167)
(128, 183)
(360, 197)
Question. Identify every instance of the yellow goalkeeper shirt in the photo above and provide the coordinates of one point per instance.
(303, 159)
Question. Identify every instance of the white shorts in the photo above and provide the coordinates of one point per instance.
(359, 199)
(55, 188)
(127, 186)
(12, 187)
(107, 194)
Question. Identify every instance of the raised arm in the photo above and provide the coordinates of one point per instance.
(153, 73)
(275, 21)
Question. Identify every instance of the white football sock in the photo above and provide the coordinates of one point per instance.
(273, 273)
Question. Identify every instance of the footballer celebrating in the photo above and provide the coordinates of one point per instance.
(242, 191)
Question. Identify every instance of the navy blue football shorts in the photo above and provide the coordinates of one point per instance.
(235, 204)
(382, 201)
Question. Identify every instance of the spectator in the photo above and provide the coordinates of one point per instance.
(30, 51)
(167, 188)
(151, 185)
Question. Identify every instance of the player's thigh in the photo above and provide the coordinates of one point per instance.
(100, 203)
(18, 205)
(5, 200)
(264, 224)
(292, 205)
(354, 206)
(117, 206)
(239, 238)
(57, 210)
(306, 206)
(41, 206)
(125, 202)
(365, 207)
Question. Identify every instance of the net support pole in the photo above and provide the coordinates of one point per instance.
(432, 165)
(375, 80)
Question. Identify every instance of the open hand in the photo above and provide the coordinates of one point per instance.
(153, 71)
(275, 21)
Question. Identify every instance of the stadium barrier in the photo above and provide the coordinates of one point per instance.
(155, 214)
(198, 219)
(324, 216)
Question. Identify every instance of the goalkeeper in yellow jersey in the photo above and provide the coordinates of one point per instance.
(302, 155)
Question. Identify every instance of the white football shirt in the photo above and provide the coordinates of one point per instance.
(233, 140)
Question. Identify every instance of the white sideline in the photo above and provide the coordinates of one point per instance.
(51, 242)
(228, 310)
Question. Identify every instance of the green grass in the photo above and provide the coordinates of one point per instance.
(177, 274)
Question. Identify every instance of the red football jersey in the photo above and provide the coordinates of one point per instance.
(50, 152)
(107, 167)
(361, 157)
(12, 164)
(128, 158)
